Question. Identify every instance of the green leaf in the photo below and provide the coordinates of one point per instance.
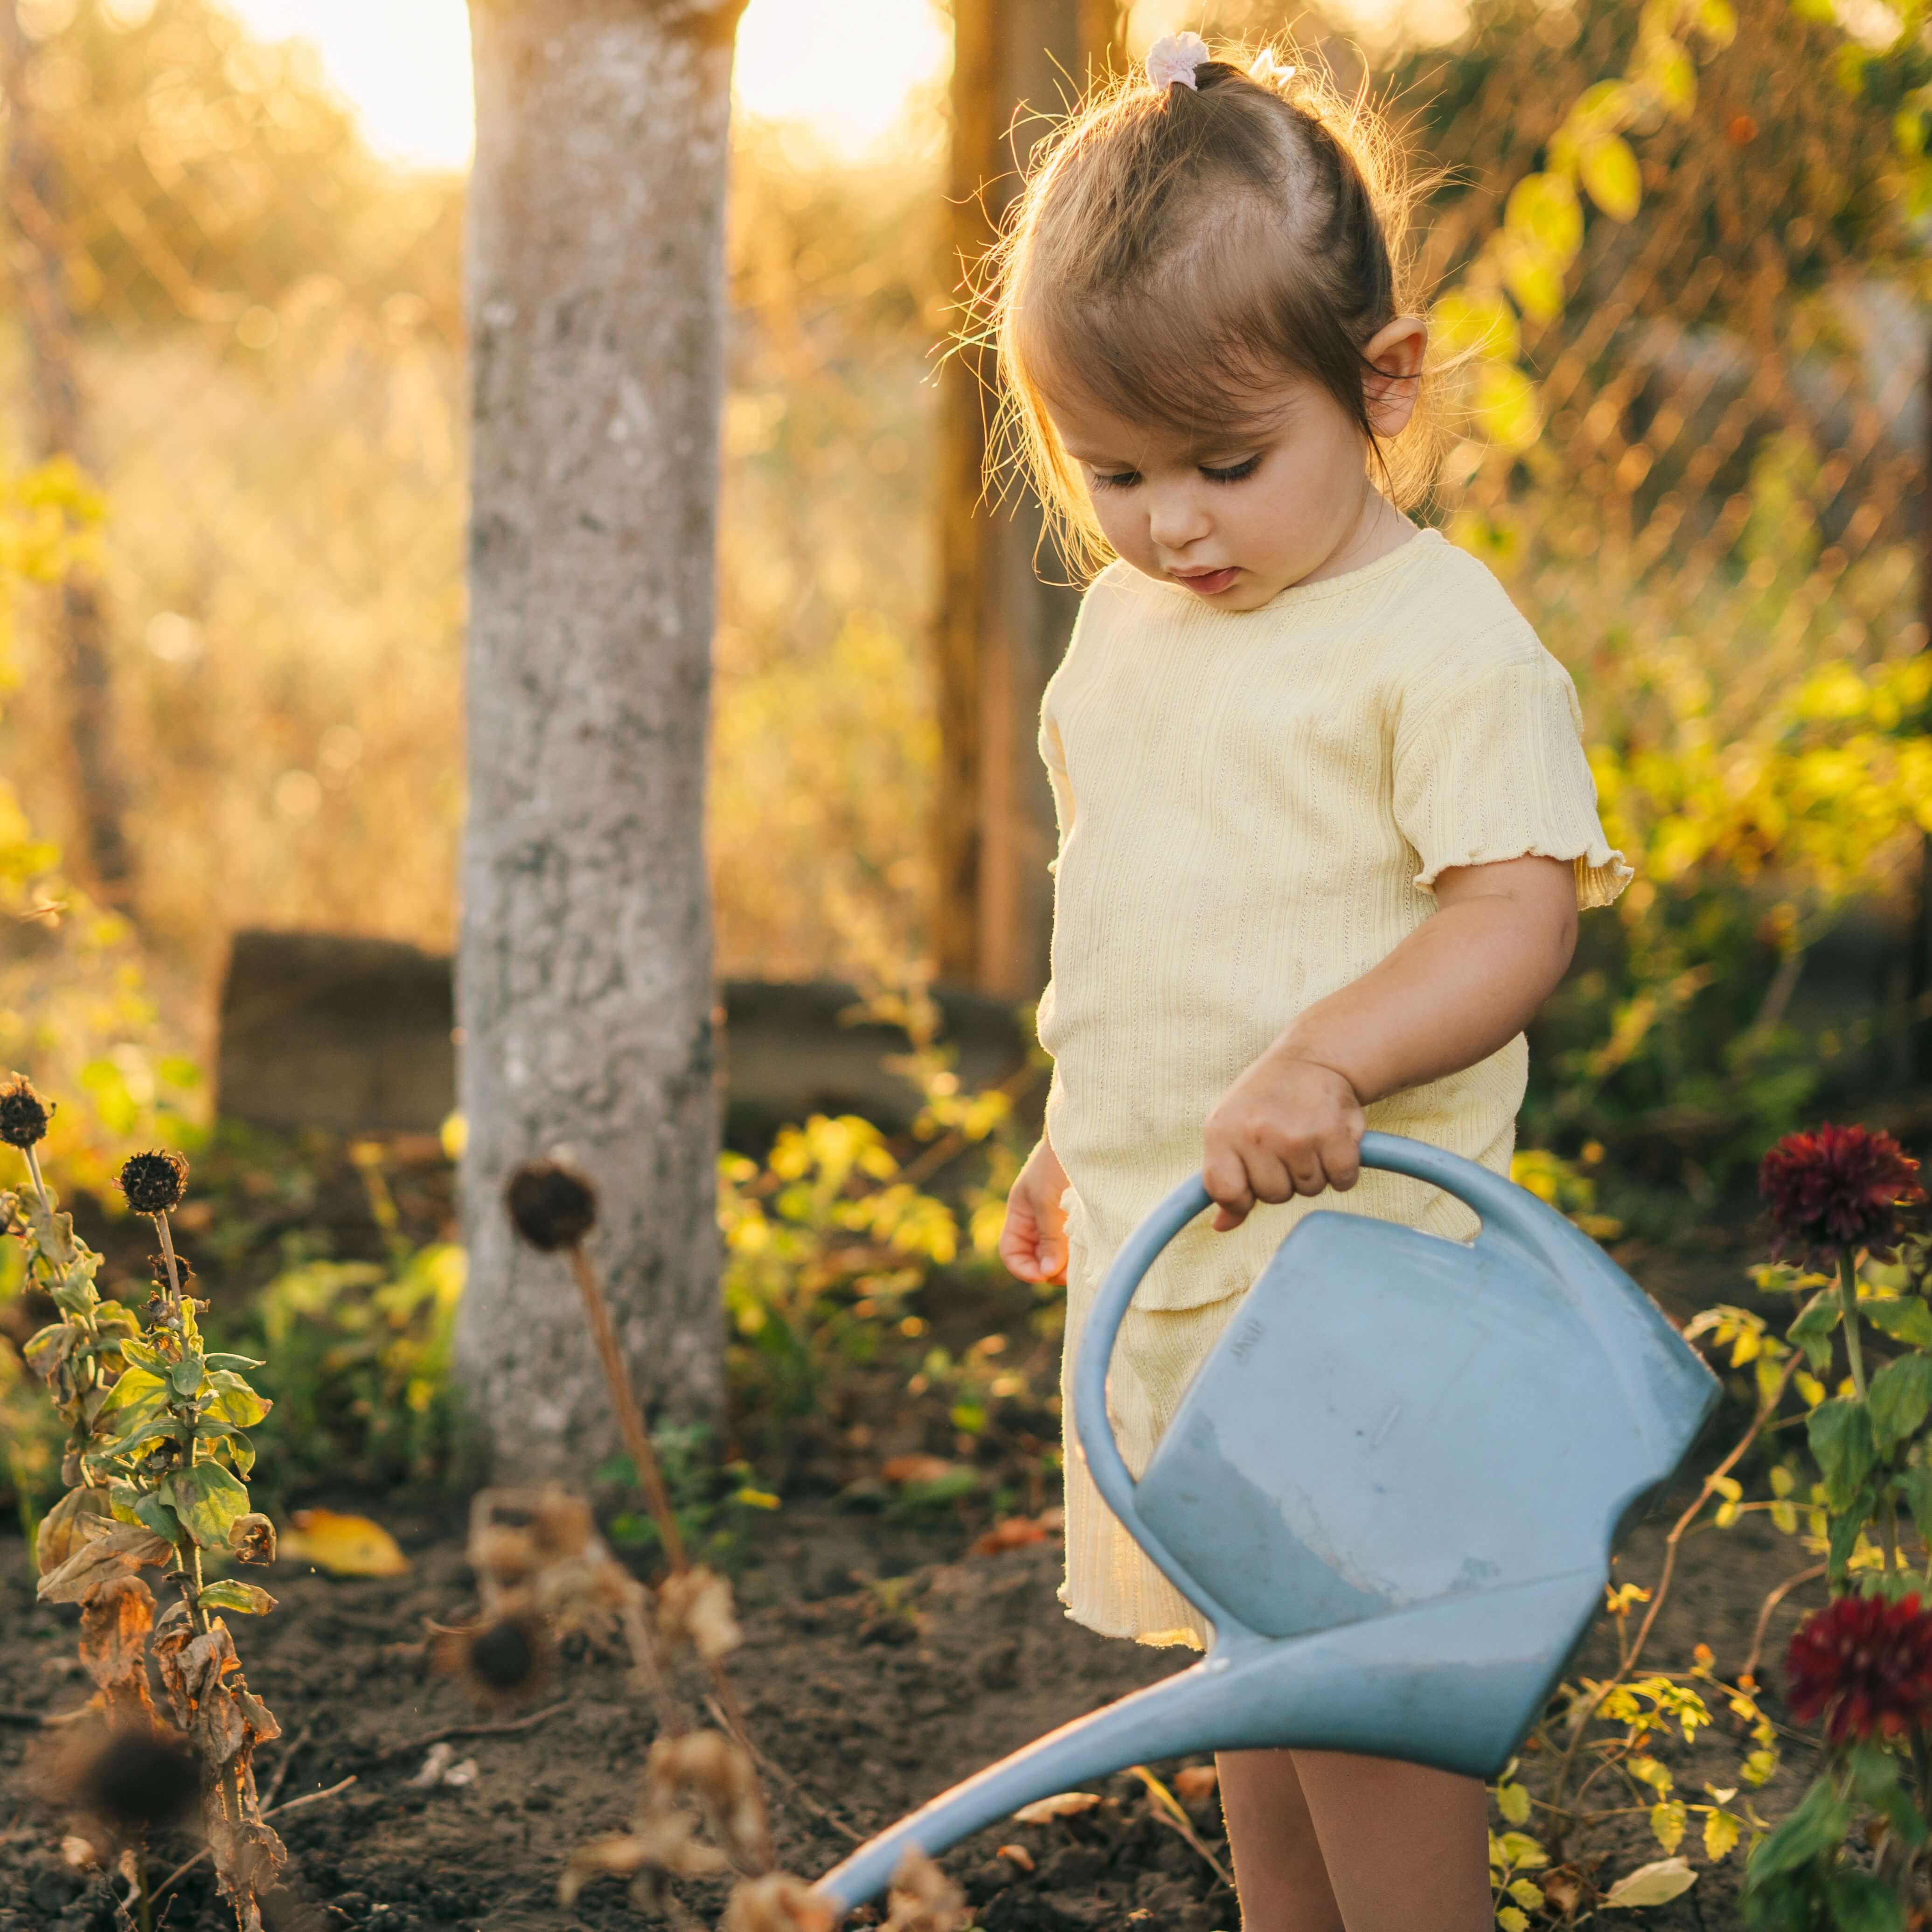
(1860, 1903)
(1819, 1825)
(48, 1347)
(1611, 175)
(1915, 1486)
(222, 1435)
(184, 1376)
(212, 1363)
(234, 1401)
(1840, 1434)
(1812, 1330)
(248, 1600)
(145, 1355)
(1906, 1320)
(1899, 1397)
(154, 1514)
(207, 1498)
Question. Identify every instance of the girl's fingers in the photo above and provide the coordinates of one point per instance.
(1342, 1159)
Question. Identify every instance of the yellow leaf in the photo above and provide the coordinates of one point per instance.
(1758, 1768)
(1545, 208)
(1532, 274)
(1611, 175)
(1666, 1824)
(1476, 322)
(1527, 1895)
(1651, 1773)
(1720, 1834)
(1506, 405)
(1061, 1804)
(1669, 72)
(1511, 1920)
(1513, 1801)
(1718, 21)
(344, 1546)
(1651, 1885)
(1522, 1853)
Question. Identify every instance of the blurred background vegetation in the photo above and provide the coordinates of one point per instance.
(232, 691)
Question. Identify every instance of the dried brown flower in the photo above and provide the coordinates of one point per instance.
(717, 1772)
(560, 1524)
(504, 1554)
(155, 1182)
(923, 1899)
(695, 1604)
(551, 1206)
(776, 1903)
(251, 1538)
(24, 1115)
(506, 1660)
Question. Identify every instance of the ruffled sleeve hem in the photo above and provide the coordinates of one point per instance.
(1602, 871)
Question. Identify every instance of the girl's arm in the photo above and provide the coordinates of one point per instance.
(1464, 983)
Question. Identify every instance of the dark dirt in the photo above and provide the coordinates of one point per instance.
(869, 1697)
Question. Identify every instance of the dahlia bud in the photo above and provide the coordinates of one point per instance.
(155, 1182)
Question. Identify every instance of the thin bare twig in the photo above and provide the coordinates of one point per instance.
(1168, 1809)
(823, 1813)
(1771, 1603)
(288, 1758)
(393, 1751)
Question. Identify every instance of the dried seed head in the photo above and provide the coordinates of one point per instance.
(504, 1661)
(551, 1206)
(923, 1899)
(154, 1182)
(696, 1604)
(127, 1781)
(777, 1902)
(24, 1115)
(560, 1523)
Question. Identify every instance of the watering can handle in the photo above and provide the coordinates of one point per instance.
(1506, 1211)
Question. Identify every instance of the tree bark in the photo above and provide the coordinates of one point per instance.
(584, 997)
(36, 203)
(1005, 610)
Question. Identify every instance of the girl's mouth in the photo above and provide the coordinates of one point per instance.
(1208, 582)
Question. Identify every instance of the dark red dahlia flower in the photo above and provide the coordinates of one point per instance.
(1836, 1190)
(1864, 1666)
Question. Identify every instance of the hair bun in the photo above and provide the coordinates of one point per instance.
(1173, 58)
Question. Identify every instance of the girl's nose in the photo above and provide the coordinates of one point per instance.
(1176, 518)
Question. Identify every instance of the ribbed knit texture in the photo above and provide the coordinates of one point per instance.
(1252, 806)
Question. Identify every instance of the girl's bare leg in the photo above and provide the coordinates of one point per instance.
(1278, 1868)
(1324, 1841)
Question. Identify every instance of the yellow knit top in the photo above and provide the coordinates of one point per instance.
(1253, 806)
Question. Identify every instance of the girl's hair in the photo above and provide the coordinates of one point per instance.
(1176, 251)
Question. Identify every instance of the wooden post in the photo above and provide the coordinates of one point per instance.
(1005, 608)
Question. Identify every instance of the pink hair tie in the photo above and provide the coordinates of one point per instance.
(1174, 58)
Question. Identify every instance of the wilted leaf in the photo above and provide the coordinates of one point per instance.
(1061, 1804)
(344, 1546)
(1655, 1884)
(1194, 1782)
(696, 1606)
(922, 1898)
(1014, 1532)
(776, 1903)
(118, 1549)
(902, 1469)
(248, 1600)
(65, 1526)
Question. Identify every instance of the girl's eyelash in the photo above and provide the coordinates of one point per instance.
(1124, 479)
(1235, 473)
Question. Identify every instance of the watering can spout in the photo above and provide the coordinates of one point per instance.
(1443, 1684)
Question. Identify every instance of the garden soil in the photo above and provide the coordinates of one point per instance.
(883, 1661)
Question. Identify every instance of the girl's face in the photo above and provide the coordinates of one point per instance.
(1237, 519)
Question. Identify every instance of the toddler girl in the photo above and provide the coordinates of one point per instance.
(1325, 820)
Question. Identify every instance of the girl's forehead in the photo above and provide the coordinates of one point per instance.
(1090, 432)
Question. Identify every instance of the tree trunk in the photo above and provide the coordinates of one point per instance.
(37, 203)
(1003, 622)
(584, 993)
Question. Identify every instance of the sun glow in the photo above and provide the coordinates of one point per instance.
(844, 67)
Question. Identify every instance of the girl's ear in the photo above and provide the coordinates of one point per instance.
(1394, 354)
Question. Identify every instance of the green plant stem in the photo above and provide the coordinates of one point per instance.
(1848, 1295)
(39, 1180)
(143, 1897)
(168, 1255)
(1892, 1563)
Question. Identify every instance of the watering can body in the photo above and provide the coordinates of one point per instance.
(1392, 1490)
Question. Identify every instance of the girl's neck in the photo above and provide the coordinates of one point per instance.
(1378, 528)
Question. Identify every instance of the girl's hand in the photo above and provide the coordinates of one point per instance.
(1032, 1243)
(1287, 1126)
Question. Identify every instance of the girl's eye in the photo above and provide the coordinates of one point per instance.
(1119, 479)
(1233, 474)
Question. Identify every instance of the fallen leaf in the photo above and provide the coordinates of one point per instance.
(1194, 1782)
(1015, 1532)
(777, 1903)
(79, 1852)
(344, 1546)
(902, 1469)
(1016, 1855)
(1061, 1804)
(1655, 1884)
(462, 1774)
(433, 1766)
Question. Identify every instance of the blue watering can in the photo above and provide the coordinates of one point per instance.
(1392, 1490)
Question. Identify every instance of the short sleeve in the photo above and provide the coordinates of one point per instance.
(1494, 769)
(1054, 759)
